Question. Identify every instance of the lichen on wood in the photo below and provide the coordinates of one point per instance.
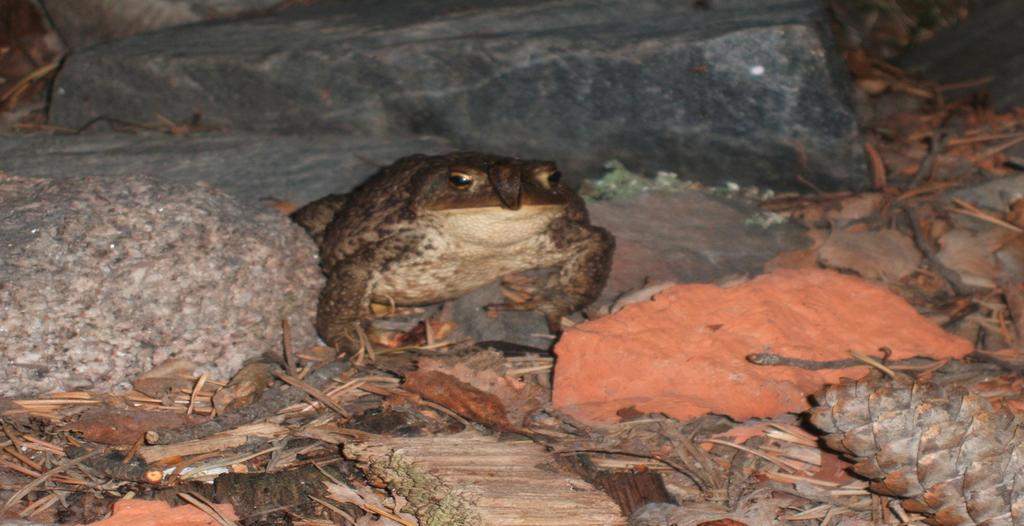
(434, 503)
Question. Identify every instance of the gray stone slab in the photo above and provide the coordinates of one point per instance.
(689, 237)
(988, 43)
(82, 23)
(749, 90)
(249, 166)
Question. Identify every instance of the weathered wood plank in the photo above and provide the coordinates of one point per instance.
(483, 481)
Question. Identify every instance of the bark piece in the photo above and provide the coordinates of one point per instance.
(471, 479)
(124, 426)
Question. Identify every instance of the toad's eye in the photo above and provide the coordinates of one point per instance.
(554, 178)
(460, 181)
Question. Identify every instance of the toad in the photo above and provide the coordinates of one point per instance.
(427, 229)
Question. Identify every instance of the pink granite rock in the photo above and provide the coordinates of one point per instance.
(683, 354)
(102, 278)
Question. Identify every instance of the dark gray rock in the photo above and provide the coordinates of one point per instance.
(102, 278)
(748, 91)
(247, 166)
(689, 236)
(988, 43)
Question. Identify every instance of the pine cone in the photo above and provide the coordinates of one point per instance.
(953, 457)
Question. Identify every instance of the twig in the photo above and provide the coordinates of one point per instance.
(927, 188)
(1014, 294)
(40, 505)
(996, 149)
(207, 507)
(930, 253)
(198, 469)
(809, 184)
(289, 354)
(221, 441)
(758, 454)
(195, 394)
(790, 479)
(957, 141)
(134, 449)
(875, 363)
(18, 455)
(38, 481)
(334, 508)
(965, 84)
(11, 94)
(314, 392)
(878, 175)
(969, 209)
(927, 169)
(272, 401)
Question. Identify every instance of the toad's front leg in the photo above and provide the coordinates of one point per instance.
(345, 301)
(579, 278)
(344, 305)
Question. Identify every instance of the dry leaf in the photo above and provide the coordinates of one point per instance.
(476, 388)
(884, 255)
(971, 253)
(166, 378)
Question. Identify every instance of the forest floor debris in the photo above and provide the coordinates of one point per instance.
(942, 228)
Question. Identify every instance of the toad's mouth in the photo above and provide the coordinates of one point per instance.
(495, 226)
(530, 197)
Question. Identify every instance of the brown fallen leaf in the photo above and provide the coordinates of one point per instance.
(244, 387)
(882, 255)
(427, 332)
(970, 252)
(476, 388)
(167, 378)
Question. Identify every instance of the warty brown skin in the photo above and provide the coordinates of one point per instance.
(431, 228)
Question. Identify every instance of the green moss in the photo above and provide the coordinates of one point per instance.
(619, 182)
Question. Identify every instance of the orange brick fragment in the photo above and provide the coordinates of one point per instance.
(134, 512)
(684, 353)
